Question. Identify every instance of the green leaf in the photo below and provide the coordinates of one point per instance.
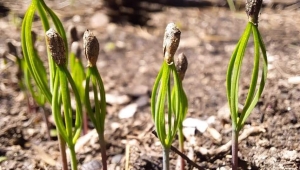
(259, 45)
(233, 74)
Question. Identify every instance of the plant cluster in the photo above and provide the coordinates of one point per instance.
(169, 102)
(61, 83)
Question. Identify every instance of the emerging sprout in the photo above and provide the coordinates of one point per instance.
(168, 101)
(91, 47)
(181, 65)
(56, 46)
(252, 10)
(171, 42)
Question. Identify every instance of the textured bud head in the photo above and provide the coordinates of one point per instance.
(181, 65)
(56, 46)
(171, 42)
(252, 9)
(91, 47)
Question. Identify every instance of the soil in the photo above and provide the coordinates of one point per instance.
(130, 58)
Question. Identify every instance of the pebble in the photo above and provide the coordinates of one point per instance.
(117, 99)
(289, 155)
(92, 165)
(199, 124)
(99, 20)
(128, 111)
(117, 158)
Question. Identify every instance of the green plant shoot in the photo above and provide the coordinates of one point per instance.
(162, 96)
(77, 71)
(91, 50)
(181, 65)
(256, 86)
(69, 131)
(60, 97)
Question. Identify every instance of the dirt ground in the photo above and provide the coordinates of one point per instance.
(130, 58)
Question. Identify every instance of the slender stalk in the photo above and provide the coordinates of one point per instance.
(73, 158)
(103, 150)
(235, 136)
(85, 123)
(46, 122)
(231, 5)
(181, 146)
(62, 148)
(166, 162)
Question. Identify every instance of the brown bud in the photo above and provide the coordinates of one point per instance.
(73, 33)
(181, 65)
(91, 47)
(252, 9)
(171, 42)
(56, 46)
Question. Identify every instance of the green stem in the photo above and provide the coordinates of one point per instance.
(166, 162)
(73, 157)
(235, 136)
(97, 116)
(65, 93)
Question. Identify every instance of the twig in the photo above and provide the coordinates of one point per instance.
(182, 155)
(127, 157)
(226, 147)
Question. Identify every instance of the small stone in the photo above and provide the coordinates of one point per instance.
(224, 112)
(188, 132)
(215, 134)
(99, 19)
(92, 165)
(137, 91)
(117, 158)
(294, 80)
(289, 155)
(199, 124)
(128, 111)
(117, 99)
(142, 101)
